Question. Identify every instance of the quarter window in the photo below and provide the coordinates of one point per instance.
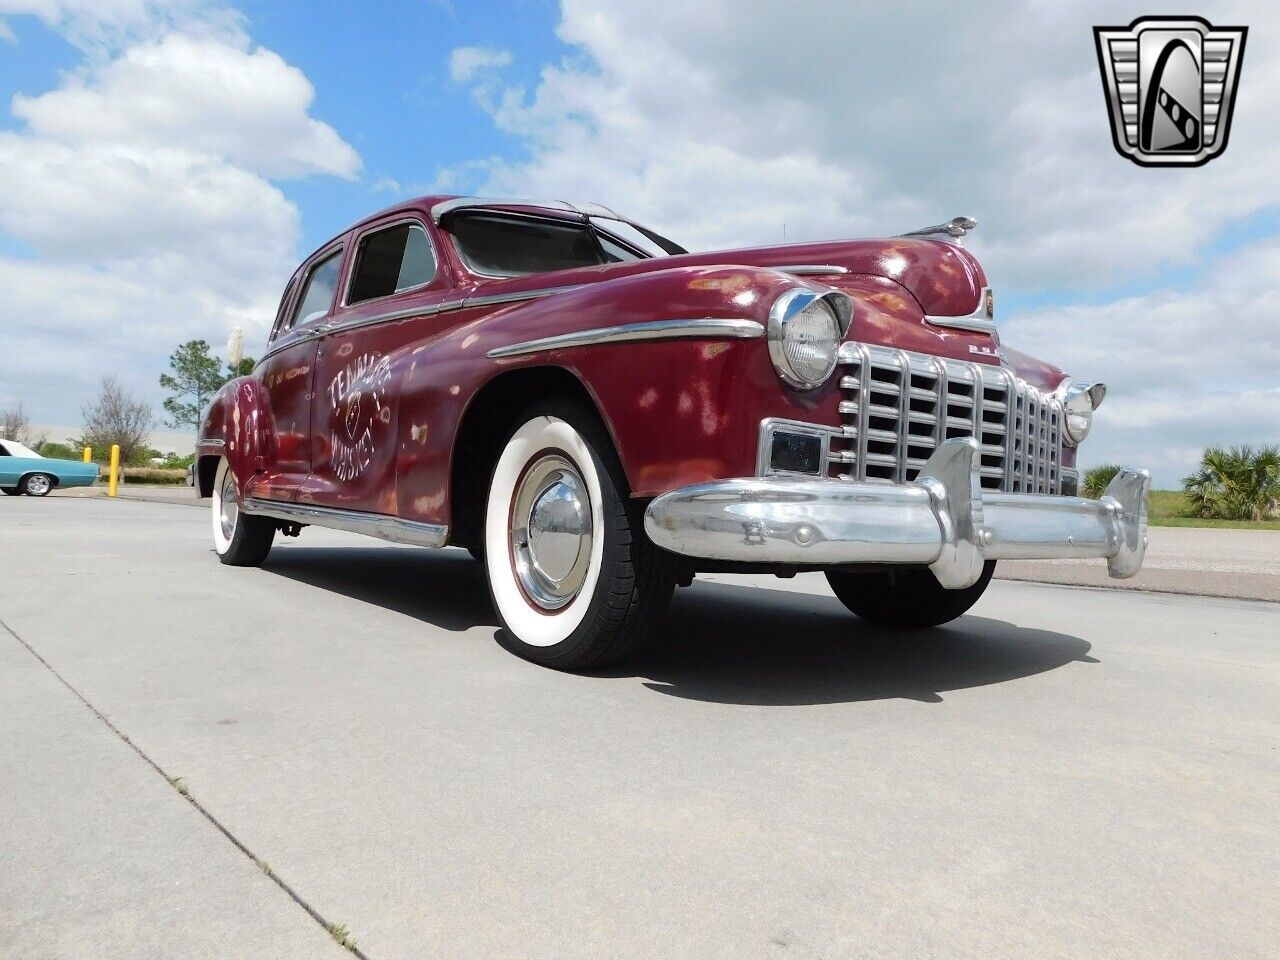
(391, 261)
(317, 295)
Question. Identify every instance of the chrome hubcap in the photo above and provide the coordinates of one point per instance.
(551, 532)
(228, 510)
(38, 485)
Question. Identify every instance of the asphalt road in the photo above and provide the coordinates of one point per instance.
(1066, 772)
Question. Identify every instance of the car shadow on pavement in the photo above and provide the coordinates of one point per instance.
(724, 643)
(445, 588)
(720, 642)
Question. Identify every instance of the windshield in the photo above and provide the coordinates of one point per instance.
(504, 245)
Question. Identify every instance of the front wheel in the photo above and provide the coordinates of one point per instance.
(911, 597)
(37, 485)
(241, 540)
(575, 581)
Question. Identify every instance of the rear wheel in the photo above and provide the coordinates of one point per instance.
(240, 539)
(574, 580)
(37, 484)
(911, 597)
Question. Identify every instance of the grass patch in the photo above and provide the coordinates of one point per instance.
(1172, 508)
(341, 935)
(179, 784)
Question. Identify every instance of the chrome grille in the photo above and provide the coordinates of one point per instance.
(897, 407)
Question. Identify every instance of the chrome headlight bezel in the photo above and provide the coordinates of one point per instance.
(786, 308)
(1080, 399)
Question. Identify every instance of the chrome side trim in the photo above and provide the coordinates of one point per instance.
(389, 316)
(811, 269)
(515, 297)
(942, 520)
(210, 442)
(982, 320)
(702, 327)
(354, 521)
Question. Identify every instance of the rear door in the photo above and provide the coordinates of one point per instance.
(394, 286)
(288, 370)
(8, 468)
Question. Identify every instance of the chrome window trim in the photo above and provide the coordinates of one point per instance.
(388, 225)
(354, 521)
(308, 271)
(979, 321)
(811, 269)
(522, 215)
(445, 207)
(697, 328)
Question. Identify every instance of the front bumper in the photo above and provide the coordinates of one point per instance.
(942, 520)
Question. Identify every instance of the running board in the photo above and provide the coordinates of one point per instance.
(353, 521)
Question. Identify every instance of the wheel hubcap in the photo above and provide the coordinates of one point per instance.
(228, 510)
(551, 532)
(38, 485)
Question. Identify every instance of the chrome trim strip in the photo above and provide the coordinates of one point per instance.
(210, 442)
(811, 269)
(515, 296)
(978, 321)
(702, 327)
(389, 316)
(942, 520)
(354, 521)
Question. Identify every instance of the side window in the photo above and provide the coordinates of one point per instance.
(317, 295)
(279, 326)
(3, 451)
(391, 261)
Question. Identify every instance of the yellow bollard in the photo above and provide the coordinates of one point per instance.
(88, 454)
(113, 480)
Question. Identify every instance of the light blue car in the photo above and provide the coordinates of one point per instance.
(22, 470)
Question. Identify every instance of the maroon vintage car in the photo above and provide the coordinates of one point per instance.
(598, 415)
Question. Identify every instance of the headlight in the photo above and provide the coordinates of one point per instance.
(1079, 399)
(805, 330)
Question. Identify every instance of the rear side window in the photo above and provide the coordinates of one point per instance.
(514, 246)
(391, 261)
(317, 295)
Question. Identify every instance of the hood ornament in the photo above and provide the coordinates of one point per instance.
(956, 229)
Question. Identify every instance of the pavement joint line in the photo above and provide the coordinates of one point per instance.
(1143, 590)
(296, 897)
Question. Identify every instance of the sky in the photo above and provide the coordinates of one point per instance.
(165, 165)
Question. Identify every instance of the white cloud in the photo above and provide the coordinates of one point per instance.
(466, 62)
(143, 183)
(720, 120)
(247, 107)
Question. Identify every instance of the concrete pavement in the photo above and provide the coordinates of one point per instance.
(1063, 773)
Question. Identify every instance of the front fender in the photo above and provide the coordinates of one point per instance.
(679, 411)
(238, 425)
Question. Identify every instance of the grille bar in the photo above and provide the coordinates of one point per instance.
(898, 407)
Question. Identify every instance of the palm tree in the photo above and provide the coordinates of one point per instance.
(1097, 478)
(1236, 484)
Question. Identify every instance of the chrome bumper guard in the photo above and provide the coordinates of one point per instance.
(943, 520)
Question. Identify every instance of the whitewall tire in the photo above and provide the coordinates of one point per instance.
(240, 540)
(575, 582)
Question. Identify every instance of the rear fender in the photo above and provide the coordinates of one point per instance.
(238, 425)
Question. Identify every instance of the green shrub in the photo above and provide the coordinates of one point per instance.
(1236, 484)
(59, 451)
(1096, 480)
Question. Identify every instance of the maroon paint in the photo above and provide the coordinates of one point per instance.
(366, 418)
